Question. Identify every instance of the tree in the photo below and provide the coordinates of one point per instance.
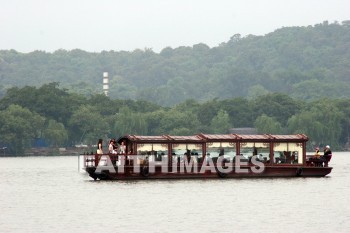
(220, 124)
(321, 123)
(344, 107)
(55, 133)
(174, 121)
(267, 125)
(153, 119)
(19, 127)
(306, 123)
(87, 124)
(256, 91)
(207, 111)
(303, 62)
(103, 104)
(276, 105)
(239, 110)
(128, 122)
(49, 101)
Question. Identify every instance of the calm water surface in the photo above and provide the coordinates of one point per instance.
(48, 194)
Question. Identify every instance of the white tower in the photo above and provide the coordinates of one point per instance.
(105, 83)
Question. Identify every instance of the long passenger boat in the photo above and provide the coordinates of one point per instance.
(206, 156)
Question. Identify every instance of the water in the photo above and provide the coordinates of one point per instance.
(48, 194)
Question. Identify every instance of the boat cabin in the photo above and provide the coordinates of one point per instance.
(205, 156)
(271, 149)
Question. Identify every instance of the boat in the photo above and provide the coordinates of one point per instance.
(206, 156)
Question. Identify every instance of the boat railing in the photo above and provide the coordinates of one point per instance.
(312, 161)
(93, 160)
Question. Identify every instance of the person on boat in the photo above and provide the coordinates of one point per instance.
(115, 147)
(281, 158)
(113, 150)
(99, 146)
(293, 157)
(188, 155)
(112, 147)
(288, 157)
(207, 157)
(122, 148)
(317, 153)
(316, 159)
(327, 155)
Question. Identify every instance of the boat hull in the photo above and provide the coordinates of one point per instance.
(244, 172)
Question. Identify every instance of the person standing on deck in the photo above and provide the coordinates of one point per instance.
(99, 147)
(122, 148)
(112, 151)
(122, 151)
(327, 155)
(115, 147)
(110, 146)
(293, 157)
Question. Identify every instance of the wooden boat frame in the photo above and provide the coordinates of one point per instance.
(157, 157)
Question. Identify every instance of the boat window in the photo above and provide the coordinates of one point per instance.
(227, 148)
(155, 151)
(143, 148)
(260, 149)
(180, 150)
(288, 153)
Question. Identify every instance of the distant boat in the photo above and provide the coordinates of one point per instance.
(206, 156)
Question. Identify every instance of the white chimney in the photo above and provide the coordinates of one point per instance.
(105, 83)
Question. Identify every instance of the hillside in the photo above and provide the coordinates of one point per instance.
(303, 62)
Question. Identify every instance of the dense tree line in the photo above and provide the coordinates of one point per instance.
(63, 118)
(306, 63)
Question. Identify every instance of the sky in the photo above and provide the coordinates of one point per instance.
(97, 25)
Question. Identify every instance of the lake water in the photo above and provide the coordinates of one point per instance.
(48, 194)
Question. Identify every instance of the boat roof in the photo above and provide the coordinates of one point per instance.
(277, 137)
(198, 138)
(162, 138)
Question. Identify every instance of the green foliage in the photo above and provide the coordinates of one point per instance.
(322, 123)
(302, 62)
(87, 125)
(128, 122)
(55, 133)
(176, 120)
(207, 111)
(84, 120)
(276, 105)
(293, 80)
(19, 127)
(239, 110)
(267, 125)
(256, 91)
(153, 120)
(343, 105)
(220, 124)
(49, 101)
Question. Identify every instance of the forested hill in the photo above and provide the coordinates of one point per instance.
(303, 62)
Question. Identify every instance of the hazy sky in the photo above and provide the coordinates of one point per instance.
(96, 25)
